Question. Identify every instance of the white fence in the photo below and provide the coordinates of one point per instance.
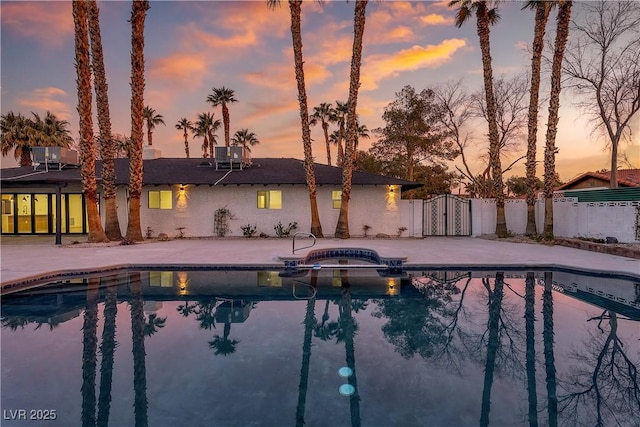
(570, 218)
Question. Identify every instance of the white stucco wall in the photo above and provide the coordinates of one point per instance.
(195, 210)
(411, 217)
(570, 218)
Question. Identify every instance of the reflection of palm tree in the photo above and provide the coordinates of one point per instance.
(529, 316)
(223, 346)
(549, 358)
(89, 348)
(325, 331)
(14, 322)
(154, 323)
(137, 335)
(205, 314)
(349, 326)
(107, 349)
(493, 344)
(187, 309)
(310, 322)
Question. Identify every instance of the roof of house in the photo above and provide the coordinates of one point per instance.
(626, 178)
(199, 171)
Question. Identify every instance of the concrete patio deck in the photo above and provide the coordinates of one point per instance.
(28, 257)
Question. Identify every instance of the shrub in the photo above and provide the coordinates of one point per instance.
(248, 230)
(282, 231)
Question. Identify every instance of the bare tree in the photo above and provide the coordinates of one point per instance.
(461, 109)
(603, 65)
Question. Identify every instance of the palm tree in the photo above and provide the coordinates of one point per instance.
(340, 117)
(20, 134)
(223, 96)
(87, 142)
(15, 136)
(342, 227)
(206, 127)
(324, 114)
(138, 15)
(542, 15)
(50, 131)
(107, 149)
(185, 125)
(485, 17)
(245, 139)
(562, 34)
(295, 9)
(362, 131)
(152, 118)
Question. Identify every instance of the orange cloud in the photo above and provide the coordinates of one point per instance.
(282, 76)
(435, 19)
(48, 22)
(43, 99)
(181, 69)
(379, 67)
(245, 24)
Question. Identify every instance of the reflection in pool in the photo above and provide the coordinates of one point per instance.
(332, 348)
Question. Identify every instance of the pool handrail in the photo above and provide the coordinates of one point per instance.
(293, 251)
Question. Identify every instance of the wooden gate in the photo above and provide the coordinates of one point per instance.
(447, 215)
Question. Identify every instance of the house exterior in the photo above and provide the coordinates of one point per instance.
(181, 196)
(590, 180)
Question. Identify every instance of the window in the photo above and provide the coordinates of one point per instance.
(336, 199)
(270, 199)
(161, 199)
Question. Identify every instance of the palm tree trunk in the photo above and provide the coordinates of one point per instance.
(211, 141)
(227, 124)
(342, 228)
(149, 135)
(325, 128)
(186, 143)
(494, 143)
(295, 7)
(25, 157)
(107, 150)
(87, 142)
(138, 15)
(542, 15)
(562, 34)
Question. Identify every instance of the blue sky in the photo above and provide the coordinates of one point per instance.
(192, 47)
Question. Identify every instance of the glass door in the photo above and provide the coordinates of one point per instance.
(8, 214)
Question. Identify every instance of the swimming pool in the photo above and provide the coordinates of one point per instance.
(330, 348)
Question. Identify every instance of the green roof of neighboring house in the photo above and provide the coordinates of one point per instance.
(626, 194)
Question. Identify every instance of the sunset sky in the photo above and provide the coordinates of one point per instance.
(192, 47)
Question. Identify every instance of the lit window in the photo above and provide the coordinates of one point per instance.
(161, 199)
(336, 199)
(270, 199)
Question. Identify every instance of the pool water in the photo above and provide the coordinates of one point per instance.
(331, 348)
